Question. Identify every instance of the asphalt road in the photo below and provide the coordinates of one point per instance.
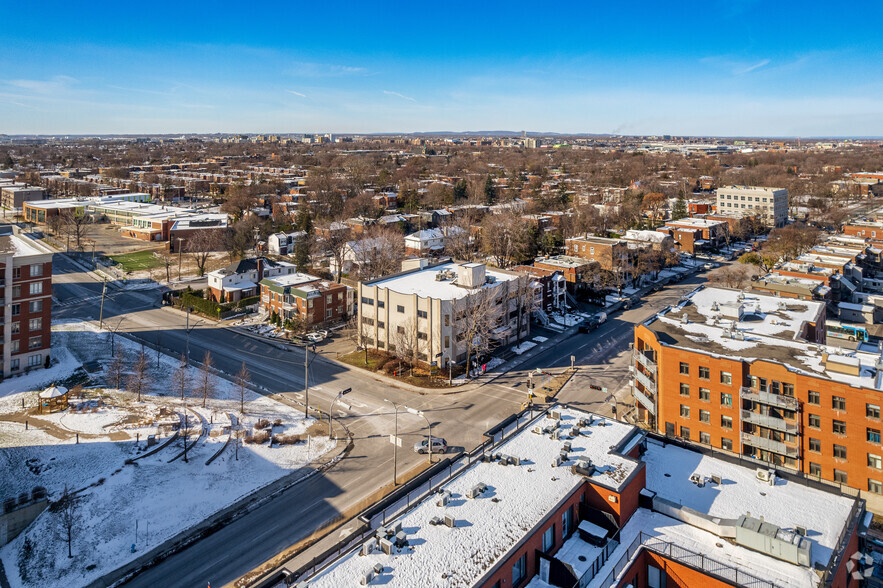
(461, 418)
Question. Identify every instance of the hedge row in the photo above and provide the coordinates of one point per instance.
(212, 308)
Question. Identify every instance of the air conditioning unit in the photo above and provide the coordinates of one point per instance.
(386, 546)
(435, 521)
(367, 577)
(765, 475)
(366, 549)
(567, 446)
(450, 522)
(555, 415)
(538, 430)
(397, 528)
(445, 499)
(378, 568)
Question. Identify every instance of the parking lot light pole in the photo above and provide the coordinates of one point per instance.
(395, 445)
(428, 424)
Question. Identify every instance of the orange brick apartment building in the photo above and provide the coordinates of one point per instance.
(307, 298)
(748, 373)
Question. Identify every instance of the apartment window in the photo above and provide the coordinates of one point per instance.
(726, 378)
(685, 411)
(35, 360)
(35, 324)
(815, 470)
(838, 403)
(36, 288)
(872, 411)
(704, 438)
(787, 389)
(13, 365)
(549, 538)
(422, 336)
(15, 345)
(726, 422)
(422, 314)
(704, 416)
(815, 445)
(726, 399)
(16, 292)
(875, 487)
(519, 570)
(839, 451)
(685, 389)
(685, 433)
(35, 342)
(839, 427)
(447, 320)
(704, 373)
(16, 273)
(685, 369)
(775, 387)
(35, 306)
(367, 301)
(814, 397)
(380, 303)
(815, 421)
(400, 308)
(704, 394)
(873, 435)
(840, 477)
(16, 328)
(566, 522)
(875, 461)
(367, 321)
(400, 329)
(328, 299)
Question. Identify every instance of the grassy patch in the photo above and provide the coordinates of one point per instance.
(137, 260)
(420, 376)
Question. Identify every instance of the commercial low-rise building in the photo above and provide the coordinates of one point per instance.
(14, 195)
(609, 254)
(309, 299)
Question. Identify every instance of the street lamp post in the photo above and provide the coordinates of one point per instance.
(428, 424)
(179, 258)
(187, 330)
(395, 445)
(331, 411)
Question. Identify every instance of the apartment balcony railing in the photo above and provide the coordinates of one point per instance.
(769, 422)
(769, 445)
(645, 361)
(646, 382)
(769, 399)
(645, 400)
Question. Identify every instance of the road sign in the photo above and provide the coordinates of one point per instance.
(395, 440)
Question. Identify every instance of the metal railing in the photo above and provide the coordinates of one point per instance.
(770, 422)
(645, 361)
(645, 400)
(769, 445)
(768, 398)
(645, 381)
(682, 555)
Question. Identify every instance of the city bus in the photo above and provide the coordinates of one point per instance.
(846, 331)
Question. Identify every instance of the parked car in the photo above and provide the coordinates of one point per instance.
(587, 326)
(439, 445)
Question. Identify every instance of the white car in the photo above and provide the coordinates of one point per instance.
(439, 445)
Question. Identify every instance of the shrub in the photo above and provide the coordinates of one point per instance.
(277, 423)
(287, 439)
(262, 424)
(259, 437)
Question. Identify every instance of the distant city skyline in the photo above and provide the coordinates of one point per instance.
(715, 68)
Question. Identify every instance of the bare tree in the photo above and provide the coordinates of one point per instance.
(378, 253)
(736, 275)
(76, 226)
(476, 316)
(527, 300)
(113, 372)
(242, 379)
(139, 378)
(201, 244)
(167, 260)
(207, 381)
(181, 377)
(335, 245)
(505, 238)
(406, 343)
(459, 241)
(68, 509)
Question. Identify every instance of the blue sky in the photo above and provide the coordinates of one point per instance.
(734, 67)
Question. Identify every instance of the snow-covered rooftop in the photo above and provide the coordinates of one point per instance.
(517, 498)
(423, 282)
(717, 322)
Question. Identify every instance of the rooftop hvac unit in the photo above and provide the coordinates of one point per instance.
(557, 461)
(401, 539)
(450, 522)
(555, 415)
(435, 521)
(366, 549)
(765, 475)
(685, 319)
(386, 546)
(538, 430)
(474, 492)
(567, 446)
(555, 435)
(575, 431)
(367, 577)
(716, 480)
(800, 531)
(378, 568)
(564, 455)
(515, 460)
(381, 532)
(445, 498)
(397, 528)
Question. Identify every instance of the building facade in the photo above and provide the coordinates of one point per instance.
(770, 205)
(609, 254)
(240, 280)
(309, 299)
(26, 302)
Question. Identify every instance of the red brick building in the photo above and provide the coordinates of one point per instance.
(307, 298)
(26, 267)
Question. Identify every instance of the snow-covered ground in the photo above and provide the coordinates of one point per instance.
(165, 497)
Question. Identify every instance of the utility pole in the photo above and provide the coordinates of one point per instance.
(185, 434)
(101, 311)
(306, 380)
(179, 259)
(395, 446)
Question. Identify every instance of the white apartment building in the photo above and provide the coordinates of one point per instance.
(769, 204)
(434, 300)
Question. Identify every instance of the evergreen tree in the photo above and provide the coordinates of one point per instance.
(460, 190)
(679, 210)
(490, 191)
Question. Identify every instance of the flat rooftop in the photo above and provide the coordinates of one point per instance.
(423, 282)
(487, 529)
(695, 223)
(770, 329)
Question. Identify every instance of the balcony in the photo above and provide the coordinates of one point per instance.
(769, 422)
(769, 445)
(776, 400)
(644, 400)
(646, 382)
(645, 361)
